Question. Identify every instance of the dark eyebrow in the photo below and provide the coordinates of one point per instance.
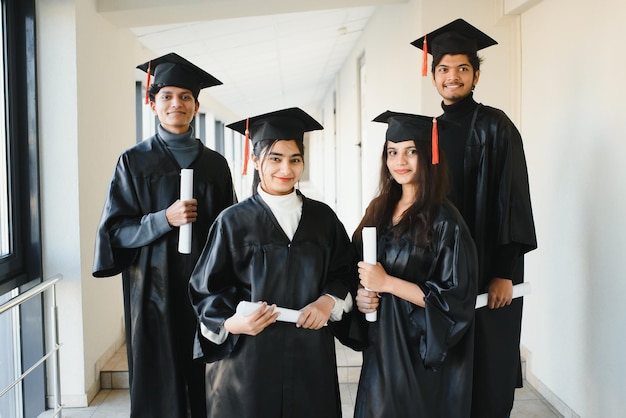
(282, 155)
(166, 91)
(447, 66)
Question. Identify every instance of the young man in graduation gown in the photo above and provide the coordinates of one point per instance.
(138, 236)
(280, 248)
(490, 188)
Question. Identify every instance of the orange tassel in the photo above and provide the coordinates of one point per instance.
(435, 142)
(246, 149)
(148, 83)
(425, 58)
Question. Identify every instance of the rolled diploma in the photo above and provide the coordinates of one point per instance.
(186, 193)
(519, 290)
(286, 315)
(369, 256)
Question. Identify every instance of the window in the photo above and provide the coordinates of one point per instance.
(5, 224)
(21, 331)
(20, 255)
(201, 127)
(219, 137)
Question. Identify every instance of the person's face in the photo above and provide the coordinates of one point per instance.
(280, 167)
(402, 161)
(454, 78)
(175, 107)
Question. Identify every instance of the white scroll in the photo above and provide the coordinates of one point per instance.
(186, 193)
(286, 315)
(519, 290)
(369, 256)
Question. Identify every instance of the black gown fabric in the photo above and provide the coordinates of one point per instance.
(283, 371)
(159, 319)
(419, 360)
(494, 199)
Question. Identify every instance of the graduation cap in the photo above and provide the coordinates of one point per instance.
(173, 70)
(283, 124)
(457, 37)
(406, 126)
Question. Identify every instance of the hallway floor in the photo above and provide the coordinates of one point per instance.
(113, 400)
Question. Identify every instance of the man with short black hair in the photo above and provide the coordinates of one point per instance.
(490, 188)
(138, 236)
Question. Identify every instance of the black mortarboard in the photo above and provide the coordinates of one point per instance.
(406, 126)
(283, 124)
(173, 70)
(457, 37)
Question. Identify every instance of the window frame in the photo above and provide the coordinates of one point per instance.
(23, 264)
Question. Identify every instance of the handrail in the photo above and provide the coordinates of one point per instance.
(48, 284)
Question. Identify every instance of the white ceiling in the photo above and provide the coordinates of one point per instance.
(266, 61)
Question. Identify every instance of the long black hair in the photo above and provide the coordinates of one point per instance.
(417, 221)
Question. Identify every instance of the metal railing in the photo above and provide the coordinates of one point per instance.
(48, 284)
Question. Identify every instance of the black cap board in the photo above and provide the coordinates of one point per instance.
(406, 126)
(173, 70)
(456, 37)
(289, 123)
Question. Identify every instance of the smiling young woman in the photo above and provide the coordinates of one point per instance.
(280, 248)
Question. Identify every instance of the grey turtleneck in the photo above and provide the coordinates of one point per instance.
(184, 147)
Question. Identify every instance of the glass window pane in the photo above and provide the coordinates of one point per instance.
(5, 230)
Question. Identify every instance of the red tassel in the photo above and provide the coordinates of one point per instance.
(148, 83)
(435, 142)
(425, 58)
(246, 149)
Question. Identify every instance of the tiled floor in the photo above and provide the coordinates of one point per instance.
(113, 402)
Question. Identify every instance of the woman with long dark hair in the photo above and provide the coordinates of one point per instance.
(283, 250)
(419, 359)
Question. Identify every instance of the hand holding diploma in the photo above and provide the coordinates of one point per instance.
(251, 318)
(246, 308)
(519, 290)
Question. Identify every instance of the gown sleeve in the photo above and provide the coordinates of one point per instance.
(214, 294)
(135, 235)
(120, 209)
(515, 217)
(450, 293)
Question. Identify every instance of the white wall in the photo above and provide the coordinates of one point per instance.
(83, 124)
(391, 68)
(573, 125)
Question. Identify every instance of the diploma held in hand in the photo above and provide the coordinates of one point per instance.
(519, 290)
(286, 315)
(186, 193)
(368, 235)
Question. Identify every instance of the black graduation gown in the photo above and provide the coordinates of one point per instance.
(496, 206)
(419, 360)
(159, 320)
(284, 371)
